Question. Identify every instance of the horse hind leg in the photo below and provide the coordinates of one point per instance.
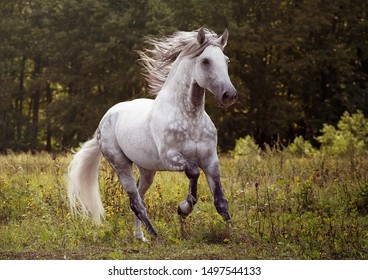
(144, 182)
(125, 175)
(186, 207)
(123, 168)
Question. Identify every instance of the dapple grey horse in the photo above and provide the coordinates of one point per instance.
(169, 133)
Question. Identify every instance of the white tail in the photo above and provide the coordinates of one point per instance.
(83, 189)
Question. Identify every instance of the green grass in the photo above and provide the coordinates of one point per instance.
(282, 206)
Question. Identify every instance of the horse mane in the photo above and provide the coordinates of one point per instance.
(157, 61)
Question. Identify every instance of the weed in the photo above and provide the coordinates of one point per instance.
(360, 199)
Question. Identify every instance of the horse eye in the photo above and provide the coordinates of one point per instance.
(205, 61)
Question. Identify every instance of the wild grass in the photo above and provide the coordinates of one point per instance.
(283, 207)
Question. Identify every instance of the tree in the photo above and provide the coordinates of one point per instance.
(296, 65)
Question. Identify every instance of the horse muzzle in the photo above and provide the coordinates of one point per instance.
(228, 97)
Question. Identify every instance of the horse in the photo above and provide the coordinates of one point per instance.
(171, 132)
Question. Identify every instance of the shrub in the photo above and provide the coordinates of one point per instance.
(350, 137)
(246, 147)
(301, 147)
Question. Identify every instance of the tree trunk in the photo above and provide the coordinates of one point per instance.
(36, 105)
(48, 120)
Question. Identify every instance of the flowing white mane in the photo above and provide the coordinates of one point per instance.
(158, 60)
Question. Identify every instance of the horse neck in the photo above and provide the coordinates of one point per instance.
(181, 89)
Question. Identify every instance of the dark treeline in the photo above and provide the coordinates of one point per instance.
(296, 64)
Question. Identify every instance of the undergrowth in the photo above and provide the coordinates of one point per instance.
(283, 206)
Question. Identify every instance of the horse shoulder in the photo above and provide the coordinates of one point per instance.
(209, 128)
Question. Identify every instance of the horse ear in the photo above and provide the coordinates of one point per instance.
(201, 37)
(223, 39)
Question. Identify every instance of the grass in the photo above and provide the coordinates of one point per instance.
(282, 206)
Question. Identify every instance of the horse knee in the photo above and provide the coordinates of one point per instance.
(192, 170)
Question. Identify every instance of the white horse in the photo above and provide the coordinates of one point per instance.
(169, 133)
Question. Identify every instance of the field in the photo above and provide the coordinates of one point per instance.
(282, 206)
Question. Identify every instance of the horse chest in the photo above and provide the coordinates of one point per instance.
(179, 132)
(190, 138)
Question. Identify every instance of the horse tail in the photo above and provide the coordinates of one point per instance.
(83, 190)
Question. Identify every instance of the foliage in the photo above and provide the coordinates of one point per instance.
(296, 65)
(360, 200)
(350, 137)
(283, 207)
(301, 147)
(246, 147)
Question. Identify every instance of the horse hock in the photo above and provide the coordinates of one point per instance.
(140, 211)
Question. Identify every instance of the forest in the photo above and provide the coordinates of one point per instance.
(297, 65)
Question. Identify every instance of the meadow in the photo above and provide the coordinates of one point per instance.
(283, 206)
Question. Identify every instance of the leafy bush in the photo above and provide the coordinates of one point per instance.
(350, 137)
(301, 147)
(246, 147)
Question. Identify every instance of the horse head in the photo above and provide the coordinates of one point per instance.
(211, 68)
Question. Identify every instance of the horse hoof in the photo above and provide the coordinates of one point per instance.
(143, 239)
(227, 218)
(184, 209)
(140, 236)
(181, 213)
(153, 234)
(229, 223)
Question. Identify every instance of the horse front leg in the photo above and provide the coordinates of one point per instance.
(175, 161)
(212, 173)
(192, 172)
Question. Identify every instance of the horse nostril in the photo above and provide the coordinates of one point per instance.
(225, 96)
(229, 97)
